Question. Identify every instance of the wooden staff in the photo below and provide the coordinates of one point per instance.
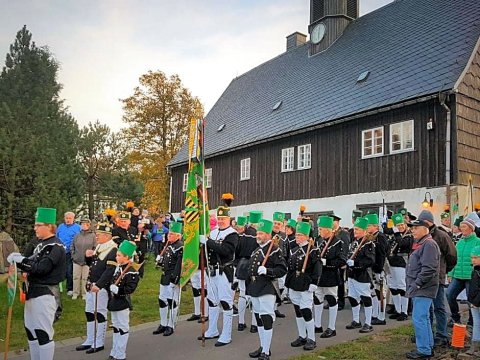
(269, 250)
(327, 244)
(364, 240)
(309, 248)
(95, 321)
(131, 264)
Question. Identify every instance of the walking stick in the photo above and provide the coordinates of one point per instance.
(11, 290)
(95, 322)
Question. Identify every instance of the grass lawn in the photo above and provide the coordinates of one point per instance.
(72, 322)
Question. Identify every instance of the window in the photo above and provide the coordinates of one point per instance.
(372, 142)
(401, 136)
(287, 159)
(185, 181)
(304, 157)
(245, 169)
(208, 178)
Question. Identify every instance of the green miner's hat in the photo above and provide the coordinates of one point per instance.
(241, 220)
(127, 248)
(458, 221)
(265, 226)
(303, 228)
(372, 219)
(176, 227)
(403, 211)
(223, 211)
(104, 228)
(476, 251)
(398, 219)
(356, 214)
(292, 223)
(278, 216)
(325, 222)
(46, 216)
(361, 223)
(123, 215)
(255, 216)
(444, 215)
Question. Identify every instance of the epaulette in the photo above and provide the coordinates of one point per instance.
(111, 262)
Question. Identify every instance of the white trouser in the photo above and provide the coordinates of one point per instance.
(170, 295)
(196, 281)
(121, 326)
(102, 301)
(220, 291)
(39, 314)
(264, 305)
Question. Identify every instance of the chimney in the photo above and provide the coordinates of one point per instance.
(295, 39)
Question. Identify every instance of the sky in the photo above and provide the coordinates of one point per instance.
(103, 47)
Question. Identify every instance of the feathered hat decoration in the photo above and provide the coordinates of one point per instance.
(227, 198)
(302, 209)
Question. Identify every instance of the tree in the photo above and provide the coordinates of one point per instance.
(159, 113)
(38, 139)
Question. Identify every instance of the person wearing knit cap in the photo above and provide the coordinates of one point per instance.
(448, 259)
(333, 257)
(474, 300)
(360, 260)
(277, 232)
(461, 274)
(400, 247)
(304, 271)
(247, 244)
(476, 219)
(446, 223)
(266, 265)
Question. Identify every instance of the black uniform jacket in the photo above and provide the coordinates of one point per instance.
(247, 244)
(46, 267)
(102, 265)
(364, 260)
(298, 281)
(221, 245)
(119, 234)
(258, 285)
(335, 257)
(126, 286)
(172, 263)
(381, 250)
(400, 246)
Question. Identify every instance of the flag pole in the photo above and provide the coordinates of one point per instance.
(203, 247)
(11, 291)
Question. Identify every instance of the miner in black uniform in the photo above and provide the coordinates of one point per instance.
(220, 245)
(141, 241)
(278, 219)
(169, 296)
(302, 281)
(247, 243)
(265, 266)
(102, 262)
(400, 246)
(45, 269)
(333, 257)
(290, 232)
(124, 230)
(343, 235)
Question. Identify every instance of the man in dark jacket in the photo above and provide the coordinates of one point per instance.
(422, 286)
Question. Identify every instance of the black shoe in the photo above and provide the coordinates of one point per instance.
(298, 342)
(413, 339)
(83, 347)
(328, 333)
(378, 322)
(208, 337)
(366, 329)
(310, 345)
(160, 330)
(286, 300)
(218, 344)
(205, 319)
(394, 316)
(241, 327)
(402, 317)
(235, 310)
(94, 350)
(168, 331)
(257, 353)
(416, 355)
(279, 315)
(353, 325)
(390, 309)
(319, 330)
(341, 305)
(264, 356)
(254, 329)
(111, 358)
(194, 317)
(439, 342)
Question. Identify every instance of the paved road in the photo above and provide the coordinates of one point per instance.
(183, 344)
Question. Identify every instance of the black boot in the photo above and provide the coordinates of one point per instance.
(241, 327)
(328, 333)
(160, 330)
(83, 347)
(193, 317)
(310, 345)
(298, 342)
(254, 329)
(94, 350)
(279, 315)
(168, 331)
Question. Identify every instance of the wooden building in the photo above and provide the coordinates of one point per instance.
(372, 110)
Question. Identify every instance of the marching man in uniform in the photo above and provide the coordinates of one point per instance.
(304, 271)
(362, 257)
(265, 266)
(102, 262)
(220, 247)
(278, 219)
(333, 258)
(45, 269)
(169, 296)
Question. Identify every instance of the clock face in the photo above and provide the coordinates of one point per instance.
(318, 33)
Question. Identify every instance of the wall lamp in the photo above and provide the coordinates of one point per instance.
(427, 201)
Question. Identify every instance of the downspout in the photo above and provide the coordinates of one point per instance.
(448, 148)
(169, 172)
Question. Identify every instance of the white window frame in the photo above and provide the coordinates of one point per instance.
(373, 146)
(304, 156)
(288, 159)
(402, 134)
(185, 182)
(208, 178)
(245, 169)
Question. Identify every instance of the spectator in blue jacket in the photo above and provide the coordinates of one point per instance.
(159, 233)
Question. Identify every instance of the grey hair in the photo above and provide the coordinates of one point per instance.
(69, 213)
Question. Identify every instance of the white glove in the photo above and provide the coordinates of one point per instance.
(203, 239)
(350, 262)
(324, 262)
(312, 288)
(15, 257)
(262, 270)
(158, 258)
(114, 289)
(172, 285)
(379, 278)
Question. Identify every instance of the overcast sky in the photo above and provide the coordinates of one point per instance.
(104, 46)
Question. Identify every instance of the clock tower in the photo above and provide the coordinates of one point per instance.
(328, 21)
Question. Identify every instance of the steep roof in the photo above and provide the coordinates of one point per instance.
(412, 48)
